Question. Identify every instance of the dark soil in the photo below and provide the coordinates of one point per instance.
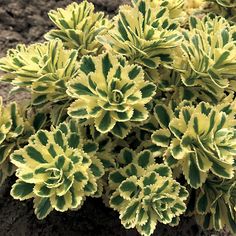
(26, 21)
(17, 218)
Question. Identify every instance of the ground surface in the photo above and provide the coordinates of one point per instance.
(26, 21)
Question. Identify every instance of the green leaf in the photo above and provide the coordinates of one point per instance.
(177, 150)
(35, 154)
(60, 162)
(126, 156)
(116, 201)
(222, 169)
(79, 176)
(90, 147)
(128, 188)
(148, 90)
(106, 65)
(4, 152)
(145, 158)
(59, 139)
(120, 130)
(17, 159)
(77, 200)
(42, 208)
(150, 179)
(42, 191)
(136, 70)
(21, 190)
(87, 65)
(81, 89)
(97, 168)
(73, 140)
(161, 137)
(223, 57)
(149, 63)
(104, 123)
(122, 30)
(39, 121)
(193, 22)
(140, 113)
(202, 203)
(90, 188)
(116, 177)
(192, 173)
(163, 115)
(39, 100)
(163, 170)
(60, 203)
(42, 137)
(130, 212)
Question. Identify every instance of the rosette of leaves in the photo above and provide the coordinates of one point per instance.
(144, 33)
(12, 127)
(198, 138)
(225, 8)
(17, 124)
(55, 170)
(43, 68)
(111, 93)
(78, 25)
(209, 58)
(215, 204)
(144, 193)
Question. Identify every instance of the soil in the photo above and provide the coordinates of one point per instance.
(26, 21)
(17, 218)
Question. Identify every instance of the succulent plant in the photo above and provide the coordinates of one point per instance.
(139, 110)
(225, 8)
(55, 170)
(144, 33)
(11, 127)
(209, 49)
(44, 68)
(110, 92)
(78, 25)
(15, 129)
(216, 204)
(199, 138)
(144, 192)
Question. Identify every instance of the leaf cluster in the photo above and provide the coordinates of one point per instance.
(138, 110)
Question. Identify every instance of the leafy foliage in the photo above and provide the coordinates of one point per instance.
(209, 54)
(139, 110)
(55, 170)
(44, 68)
(78, 25)
(111, 92)
(225, 8)
(200, 139)
(144, 33)
(215, 204)
(145, 193)
(14, 132)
